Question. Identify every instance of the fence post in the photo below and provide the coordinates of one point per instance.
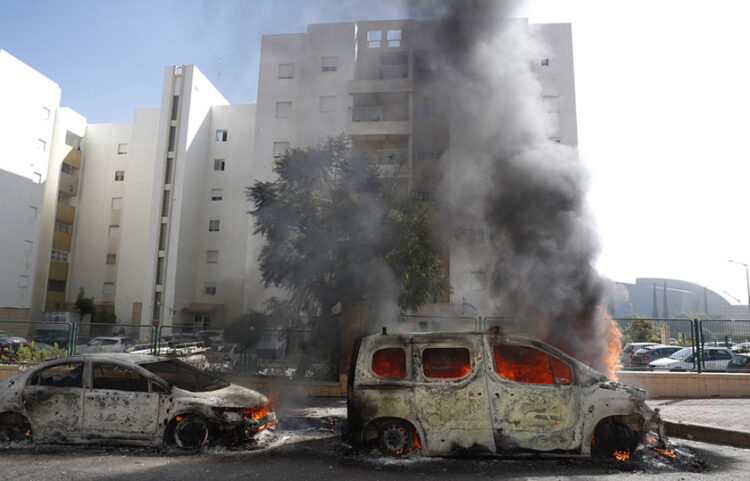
(699, 343)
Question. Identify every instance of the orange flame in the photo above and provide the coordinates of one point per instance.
(417, 441)
(622, 455)
(614, 346)
(28, 433)
(650, 438)
(665, 452)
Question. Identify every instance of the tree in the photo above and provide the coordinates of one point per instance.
(337, 230)
(247, 329)
(641, 329)
(84, 305)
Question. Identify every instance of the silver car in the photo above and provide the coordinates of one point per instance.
(714, 359)
(128, 399)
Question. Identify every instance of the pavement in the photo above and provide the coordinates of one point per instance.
(724, 421)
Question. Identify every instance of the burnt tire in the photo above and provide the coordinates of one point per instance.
(14, 429)
(191, 432)
(395, 438)
(611, 436)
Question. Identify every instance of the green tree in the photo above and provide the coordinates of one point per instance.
(84, 305)
(641, 329)
(337, 230)
(247, 329)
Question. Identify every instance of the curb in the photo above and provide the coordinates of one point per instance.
(708, 433)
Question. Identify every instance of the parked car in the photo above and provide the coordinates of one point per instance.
(741, 347)
(629, 349)
(212, 337)
(739, 363)
(643, 356)
(458, 392)
(183, 338)
(229, 356)
(128, 398)
(107, 344)
(5, 336)
(714, 359)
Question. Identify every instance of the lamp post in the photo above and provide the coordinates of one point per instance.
(747, 279)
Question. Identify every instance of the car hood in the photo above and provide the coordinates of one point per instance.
(232, 396)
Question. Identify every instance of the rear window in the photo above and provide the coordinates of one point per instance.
(530, 365)
(446, 362)
(389, 362)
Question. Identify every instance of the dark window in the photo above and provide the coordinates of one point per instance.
(389, 362)
(185, 377)
(163, 237)
(530, 365)
(109, 376)
(172, 132)
(175, 106)
(56, 286)
(168, 172)
(61, 375)
(446, 362)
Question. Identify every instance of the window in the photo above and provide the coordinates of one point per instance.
(114, 231)
(168, 172)
(212, 257)
(159, 271)
(394, 38)
(28, 246)
(45, 113)
(59, 255)
(172, 133)
(122, 148)
(116, 203)
(55, 286)
(279, 149)
(162, 237)
(545, 62)
(69, 169)
(175, 106)
(374, 37)
(330, 64)
(328, 103)
(32, 212)
(389, 362)
(283, 110)
(108, 288)
(221, 135)
(119, 175)
(41, 145)
(23, 281)
(213, 225)
(286, 70)
(165, 202)
(111, 259)
(530, 365)
(60, 375)
(217, 194)
(446, 362)
(61, 226)
(209, 288)
(219, 164)
(118, 378)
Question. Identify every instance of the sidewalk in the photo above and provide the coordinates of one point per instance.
(725, 421)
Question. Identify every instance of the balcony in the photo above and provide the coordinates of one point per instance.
(380, 85)
(379, 127)
(65, 212)
(68, 184)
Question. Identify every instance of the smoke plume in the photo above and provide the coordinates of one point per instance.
(520, 193)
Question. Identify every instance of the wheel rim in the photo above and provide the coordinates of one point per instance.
(394, 439)
(191, 433)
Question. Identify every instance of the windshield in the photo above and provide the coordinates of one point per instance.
(185, 376)
(682, 354)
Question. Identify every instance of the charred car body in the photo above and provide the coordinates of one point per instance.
(128, 399)
(451, 393)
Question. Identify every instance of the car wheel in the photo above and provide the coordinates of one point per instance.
(14, 429)
(395, 438)
(191, 432)
(611, 437)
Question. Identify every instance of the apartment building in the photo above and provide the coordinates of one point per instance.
(373, 81)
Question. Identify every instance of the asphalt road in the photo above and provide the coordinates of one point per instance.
(300, 456)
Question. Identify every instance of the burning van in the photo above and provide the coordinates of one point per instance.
(448, 393)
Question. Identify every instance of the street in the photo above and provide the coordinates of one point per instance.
(317, 454)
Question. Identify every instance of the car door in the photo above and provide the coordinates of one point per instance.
(118, 404)
(53, 400)
(717, 359)
(533, 397)
(450, 395)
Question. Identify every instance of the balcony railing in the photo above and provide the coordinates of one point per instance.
(367, 114)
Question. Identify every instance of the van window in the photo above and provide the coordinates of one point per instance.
(530, 365)
(446, 362)
(389, 362)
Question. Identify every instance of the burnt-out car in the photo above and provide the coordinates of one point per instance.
(128, 399)
(494, 393)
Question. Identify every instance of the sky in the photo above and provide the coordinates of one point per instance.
(661, 93)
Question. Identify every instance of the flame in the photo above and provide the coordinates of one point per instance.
(622, 455)
(665, 452)
(389, 362)
(438, 362)
(28, 433)
(258, 412)
(529, 365)
(417, 441)
(650, 438)
(613, 337)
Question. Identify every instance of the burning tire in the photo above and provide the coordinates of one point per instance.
(612, 439)
(191, 432)
(395, 438)
(14, 428)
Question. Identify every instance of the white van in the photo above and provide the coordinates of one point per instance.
(471, 392)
